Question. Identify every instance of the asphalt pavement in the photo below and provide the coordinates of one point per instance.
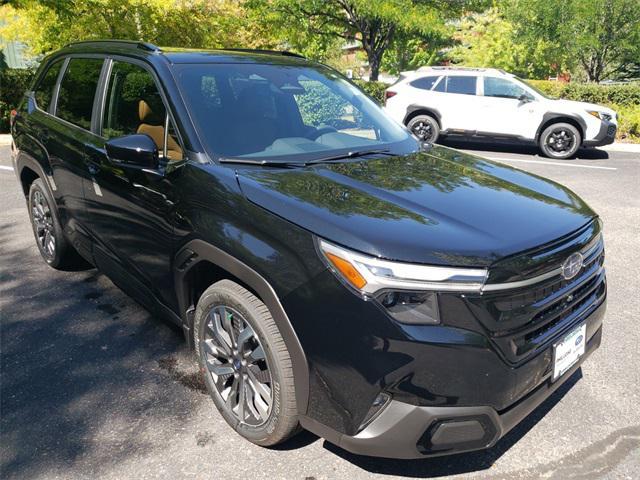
(93, 386)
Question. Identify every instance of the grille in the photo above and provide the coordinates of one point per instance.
(524, 321)
(611, 131)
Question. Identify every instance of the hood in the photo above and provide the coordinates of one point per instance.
(571, 106)
(437, 207)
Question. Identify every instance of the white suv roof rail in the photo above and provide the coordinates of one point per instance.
(461, 69)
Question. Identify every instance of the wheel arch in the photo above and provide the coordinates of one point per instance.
(199, 264)
(550, 118)
(415, 110)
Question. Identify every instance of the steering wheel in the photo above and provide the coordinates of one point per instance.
(321, 131)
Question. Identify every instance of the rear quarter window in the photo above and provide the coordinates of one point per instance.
(425, 83)
(44, 91)
(77, 90)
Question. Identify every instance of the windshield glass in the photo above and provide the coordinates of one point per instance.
(537, 90)
(284, 112)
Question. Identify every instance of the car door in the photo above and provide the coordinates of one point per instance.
(508, 109)
(461, 104)
(130, 209)
(65, 133)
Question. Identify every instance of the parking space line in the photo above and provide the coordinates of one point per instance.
(4, 167)
(542, 162)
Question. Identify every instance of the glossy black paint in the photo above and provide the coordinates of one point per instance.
(439, 206)
(133, 151)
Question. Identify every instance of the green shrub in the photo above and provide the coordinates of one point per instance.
(628, 122)
(13, 84)
(374, 89)
(626, 94)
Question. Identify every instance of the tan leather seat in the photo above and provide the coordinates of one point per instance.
(156, 132)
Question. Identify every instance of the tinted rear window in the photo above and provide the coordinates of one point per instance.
(461, 84)
(425, 83)
(44, 91)
(77, 89)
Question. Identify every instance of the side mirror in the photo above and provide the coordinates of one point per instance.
(524, 98)
(135, 151)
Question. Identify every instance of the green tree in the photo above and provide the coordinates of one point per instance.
(46, 25)
(602, 37)
(375, 24)
(487, 40)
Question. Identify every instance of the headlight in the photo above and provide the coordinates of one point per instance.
(407, 291)
(371, 275)
(599, 115)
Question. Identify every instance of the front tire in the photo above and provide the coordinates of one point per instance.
(245, 363)
(560, 140)
(425, 128)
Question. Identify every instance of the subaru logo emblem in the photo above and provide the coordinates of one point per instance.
(572, 266)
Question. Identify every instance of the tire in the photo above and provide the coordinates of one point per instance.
(425, 128)
(560, 140)
(47, 230)
(228, 307)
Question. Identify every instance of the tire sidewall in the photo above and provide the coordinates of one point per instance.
(55, 261)
(549, 152)
(223, 296)
(435, 128)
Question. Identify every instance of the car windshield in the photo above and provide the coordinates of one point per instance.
(285, 113)
(537, 90)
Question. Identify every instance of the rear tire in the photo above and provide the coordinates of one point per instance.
(560, 140)
(243, 358)
(47, 230)
(425, 128)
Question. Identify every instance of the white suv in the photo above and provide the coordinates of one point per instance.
(493, 104)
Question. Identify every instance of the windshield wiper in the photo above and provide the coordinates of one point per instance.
(263, 162)
(352, 154)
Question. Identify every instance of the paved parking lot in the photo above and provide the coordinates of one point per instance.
(92, 386)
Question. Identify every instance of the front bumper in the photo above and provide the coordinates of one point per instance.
(408, 431)
(606, 135)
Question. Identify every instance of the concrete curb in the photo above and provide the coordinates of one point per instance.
(622, 147)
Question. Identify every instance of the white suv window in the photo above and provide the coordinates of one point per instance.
(503, 88)
(425, 83)
(461, 84)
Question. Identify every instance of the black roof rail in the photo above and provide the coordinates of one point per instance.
(267, 52)
(149, 47)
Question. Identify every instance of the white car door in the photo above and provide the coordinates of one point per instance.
(508, 109)
(461, 106)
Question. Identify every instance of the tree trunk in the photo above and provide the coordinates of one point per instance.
(374, 64)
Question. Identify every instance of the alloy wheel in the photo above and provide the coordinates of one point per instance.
(561, 141)
(43, 224)
(423, 130)
(236, 361)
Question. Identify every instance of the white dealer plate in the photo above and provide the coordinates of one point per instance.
(568, 350)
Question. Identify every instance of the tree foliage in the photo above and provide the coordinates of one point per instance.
(375, 24)
(602, 37)
(46, 25)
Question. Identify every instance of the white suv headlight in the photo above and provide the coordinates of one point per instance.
(371, 275)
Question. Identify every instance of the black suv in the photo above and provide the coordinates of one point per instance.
(331, 272)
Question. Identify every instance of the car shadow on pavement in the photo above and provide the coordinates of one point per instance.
(522, 149)
(459, 463)
(78, 368)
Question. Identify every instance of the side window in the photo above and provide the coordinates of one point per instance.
(501, 87)
(133, 105)
(44, 90)
(424, 83)
(441, 85)
(77, 90)
(464, 85)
